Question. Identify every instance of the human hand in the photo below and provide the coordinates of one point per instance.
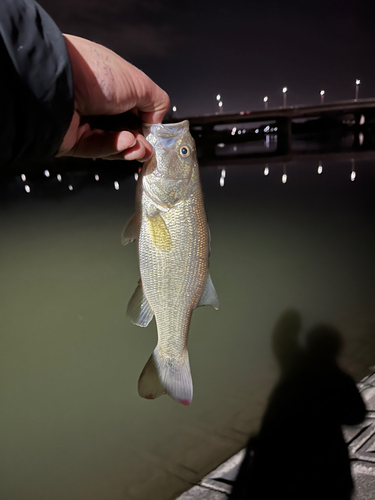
(106, 84)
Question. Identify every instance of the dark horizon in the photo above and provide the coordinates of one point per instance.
(241, 50)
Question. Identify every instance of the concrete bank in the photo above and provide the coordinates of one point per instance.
(361, 442)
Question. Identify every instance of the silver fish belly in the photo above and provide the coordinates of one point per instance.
(171, 227)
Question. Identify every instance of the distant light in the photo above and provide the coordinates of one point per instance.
(223, 173)
(266, 171)
(284, 178)
(358, 82)
(59, 178)
(257, 130)
(221, 145)
(174, 109)
(275, 129)
(320, 168)
(285, 89)
(96, 177)
(136, 176)
(116, 185)
(266, 129)
(234, 148)
(239, 132)
(27, 188)
(46, 173)
(353, 173)
(222, 181)
(218, 97)
(265, 98)
(23, 177)
(234, 130)
(361, 138)
(220, 104)
(322, 92)
(362, 120)
(70, 187)
(244, 131)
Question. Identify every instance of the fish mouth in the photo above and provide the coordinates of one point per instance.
(165, 131)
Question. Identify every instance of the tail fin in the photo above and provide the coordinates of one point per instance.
(163, 374)
(149, 385)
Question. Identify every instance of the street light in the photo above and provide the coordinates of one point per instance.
(322, 92)
(219, 102)
(285, 90)
(265, 100)
(357, 84)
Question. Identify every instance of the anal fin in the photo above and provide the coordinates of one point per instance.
(139, 310)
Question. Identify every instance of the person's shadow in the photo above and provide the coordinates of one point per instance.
(300, 452)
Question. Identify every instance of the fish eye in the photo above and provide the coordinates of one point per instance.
(184, 151)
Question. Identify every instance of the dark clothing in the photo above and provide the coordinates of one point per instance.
(36, 84)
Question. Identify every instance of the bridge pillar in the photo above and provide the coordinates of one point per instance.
(284, 135)
(207, 145)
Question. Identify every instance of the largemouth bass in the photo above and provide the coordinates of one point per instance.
(170, 225)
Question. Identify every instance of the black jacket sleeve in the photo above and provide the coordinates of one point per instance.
(36, 83)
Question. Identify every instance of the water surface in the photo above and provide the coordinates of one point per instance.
(72, 423)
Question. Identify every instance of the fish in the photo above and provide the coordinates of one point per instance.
(173, 238)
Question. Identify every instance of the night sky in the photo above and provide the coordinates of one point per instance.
(242, 49)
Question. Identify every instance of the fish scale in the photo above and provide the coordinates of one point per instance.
(184, 270)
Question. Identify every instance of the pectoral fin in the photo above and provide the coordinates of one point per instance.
(160, 234)
(130, 231)
(209, 297)
(139, 310)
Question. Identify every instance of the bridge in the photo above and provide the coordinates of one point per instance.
(220, 142)
(328, 122)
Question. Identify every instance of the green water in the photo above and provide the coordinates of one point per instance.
(72, 425)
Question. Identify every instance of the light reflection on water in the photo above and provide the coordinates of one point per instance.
(72, 424)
